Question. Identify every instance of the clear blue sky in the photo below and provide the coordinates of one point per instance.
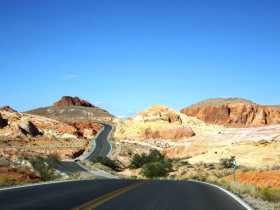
(127, 55)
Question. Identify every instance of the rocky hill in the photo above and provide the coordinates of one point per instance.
(72, 110)
(159, 122)
(234, 112)
(23, 134)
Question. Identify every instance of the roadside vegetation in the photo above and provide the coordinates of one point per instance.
(221, 174)
(112, 164)
(152, 165)
(45, 166)
(28, 170)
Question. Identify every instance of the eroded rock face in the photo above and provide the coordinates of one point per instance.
(86, 129)
(169, 133)
(159, 113)
(72, 101)
(233, 112)
(28, 128)
(3, 122)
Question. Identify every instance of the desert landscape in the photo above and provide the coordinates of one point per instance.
(139, 105)
(200, 138)
(197, 142)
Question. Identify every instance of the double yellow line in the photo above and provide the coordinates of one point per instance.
(104, 198)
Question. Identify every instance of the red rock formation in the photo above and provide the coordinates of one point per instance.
(86, 129)
(72, 101)
(234, 112)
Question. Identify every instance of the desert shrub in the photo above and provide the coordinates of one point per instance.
(107, 162)
(157, 169)
(53, 159)
(153, 164)
(44, 166)
(269, 194)
(139, 160)
(227, 162)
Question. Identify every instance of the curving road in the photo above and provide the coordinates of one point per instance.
(102, 148)
(102, 145)
(119, 194)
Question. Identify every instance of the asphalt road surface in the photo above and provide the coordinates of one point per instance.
(119, 195)
(69, 167)
(102, 145)
(102, 148)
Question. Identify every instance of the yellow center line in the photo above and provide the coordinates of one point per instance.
(104, 198)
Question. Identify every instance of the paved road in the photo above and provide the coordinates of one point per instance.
(102, 148)
(102, 144)
(119, 194)
(69, 167)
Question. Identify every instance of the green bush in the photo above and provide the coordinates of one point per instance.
(157, 169)
(153, 164)
(107, 162)
(44, 166)
(139, 161)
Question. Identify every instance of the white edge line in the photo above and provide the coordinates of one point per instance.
(43, 183)
(239, 200)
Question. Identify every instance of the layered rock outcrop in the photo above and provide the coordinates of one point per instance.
(159, 113)
(169, 133)
(157, 122)
(72, 101)
(234, 112)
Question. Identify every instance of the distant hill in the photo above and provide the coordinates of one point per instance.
(73, 109)
(234, 112)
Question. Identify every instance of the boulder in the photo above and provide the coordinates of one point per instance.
(28, 128)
